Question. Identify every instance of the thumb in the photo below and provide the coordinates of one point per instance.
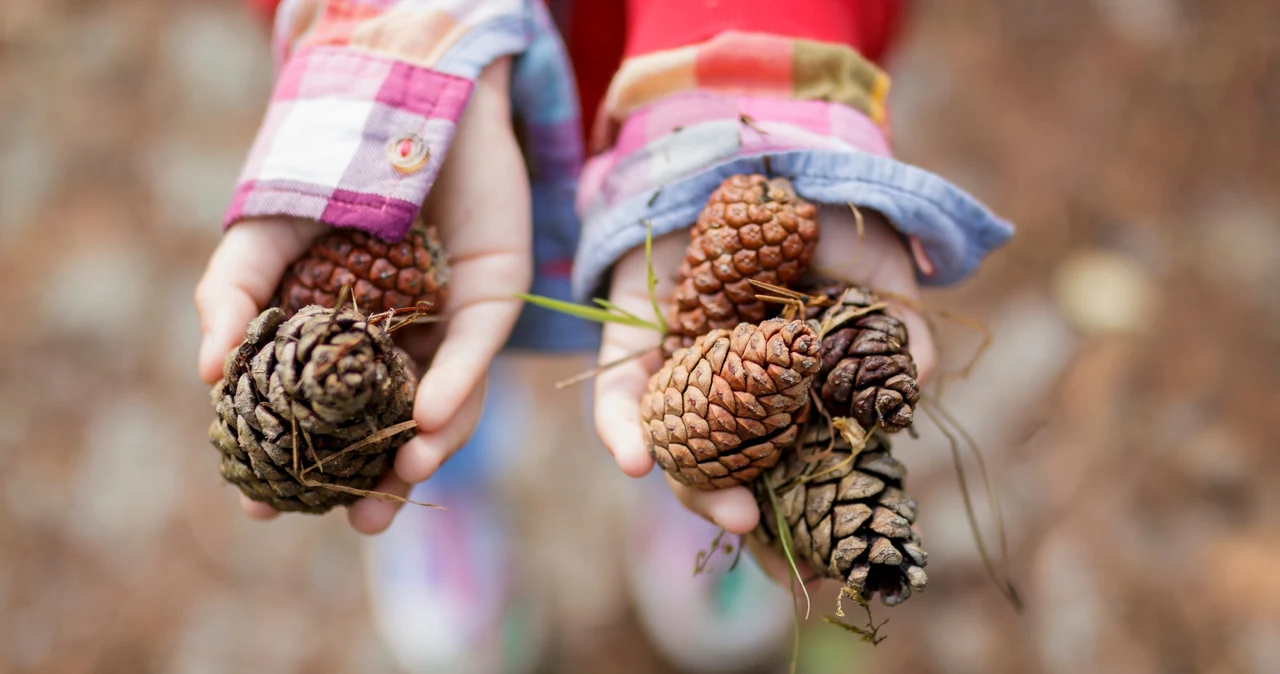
(242, 275)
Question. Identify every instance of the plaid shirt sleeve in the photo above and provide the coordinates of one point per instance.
(766, 88)
(367, 98)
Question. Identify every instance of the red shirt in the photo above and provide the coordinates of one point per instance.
(600, 33)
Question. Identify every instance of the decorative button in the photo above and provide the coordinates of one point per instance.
(408, 153)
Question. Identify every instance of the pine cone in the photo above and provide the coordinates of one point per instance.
(382, 275)
(722, 410)
(850, 521)
(752, 228)
(298, 392)
(867, 372)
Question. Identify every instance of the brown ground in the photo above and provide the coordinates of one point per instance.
(1129, 401)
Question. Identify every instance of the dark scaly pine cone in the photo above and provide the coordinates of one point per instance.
(724, 409)
(320, 382)
(867, 372)
(382, 275)
(752, 228)
(851, 521)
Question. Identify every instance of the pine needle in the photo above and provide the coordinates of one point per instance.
(784, 534)
(1002, 581)
(366, 493)
(343, 296)
(376, 436)
(602, 368)
(860, 226)
(967, 370)
(993, 496)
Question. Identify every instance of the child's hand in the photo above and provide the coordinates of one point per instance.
(879, 260)
(480, 202)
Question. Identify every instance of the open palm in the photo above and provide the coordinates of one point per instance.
(480, 203)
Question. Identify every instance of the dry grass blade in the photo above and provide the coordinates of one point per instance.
(848, 429)
(343, 296)
(1002, 581)
(794, 303)
(610, 306)
(750, 122)
(853, 433)
(416, 315)
(376, 436)
(589, 313)
(366, 493)
(860, 226)
(993, 496)
(315, 459)
(605, 367)
(869, 633)
(967, 370)
(778, 299)
(777, 289)
(784, 535)
(787, 294)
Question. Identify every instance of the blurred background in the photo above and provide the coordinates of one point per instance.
(1129, 403)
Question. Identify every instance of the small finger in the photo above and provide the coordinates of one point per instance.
(372, 516)
(473, 337)
(733, 509)
(257, 509)
(617, 414)
(423, 455)
(241, 277)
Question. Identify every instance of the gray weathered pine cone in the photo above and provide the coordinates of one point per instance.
(849, 519)
(318, 383)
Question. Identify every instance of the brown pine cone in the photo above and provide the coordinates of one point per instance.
(383, 275)
(850, 520)
(752, 228)
(722, 410)
(315, 383)
(867, 372)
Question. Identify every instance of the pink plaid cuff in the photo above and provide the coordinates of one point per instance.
(351, 139)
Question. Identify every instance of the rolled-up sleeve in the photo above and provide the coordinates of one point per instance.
(762, 90)
(366, 102)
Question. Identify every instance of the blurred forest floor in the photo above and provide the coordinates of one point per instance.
(1128, 404)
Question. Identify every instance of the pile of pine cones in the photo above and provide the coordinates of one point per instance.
(752, 391)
